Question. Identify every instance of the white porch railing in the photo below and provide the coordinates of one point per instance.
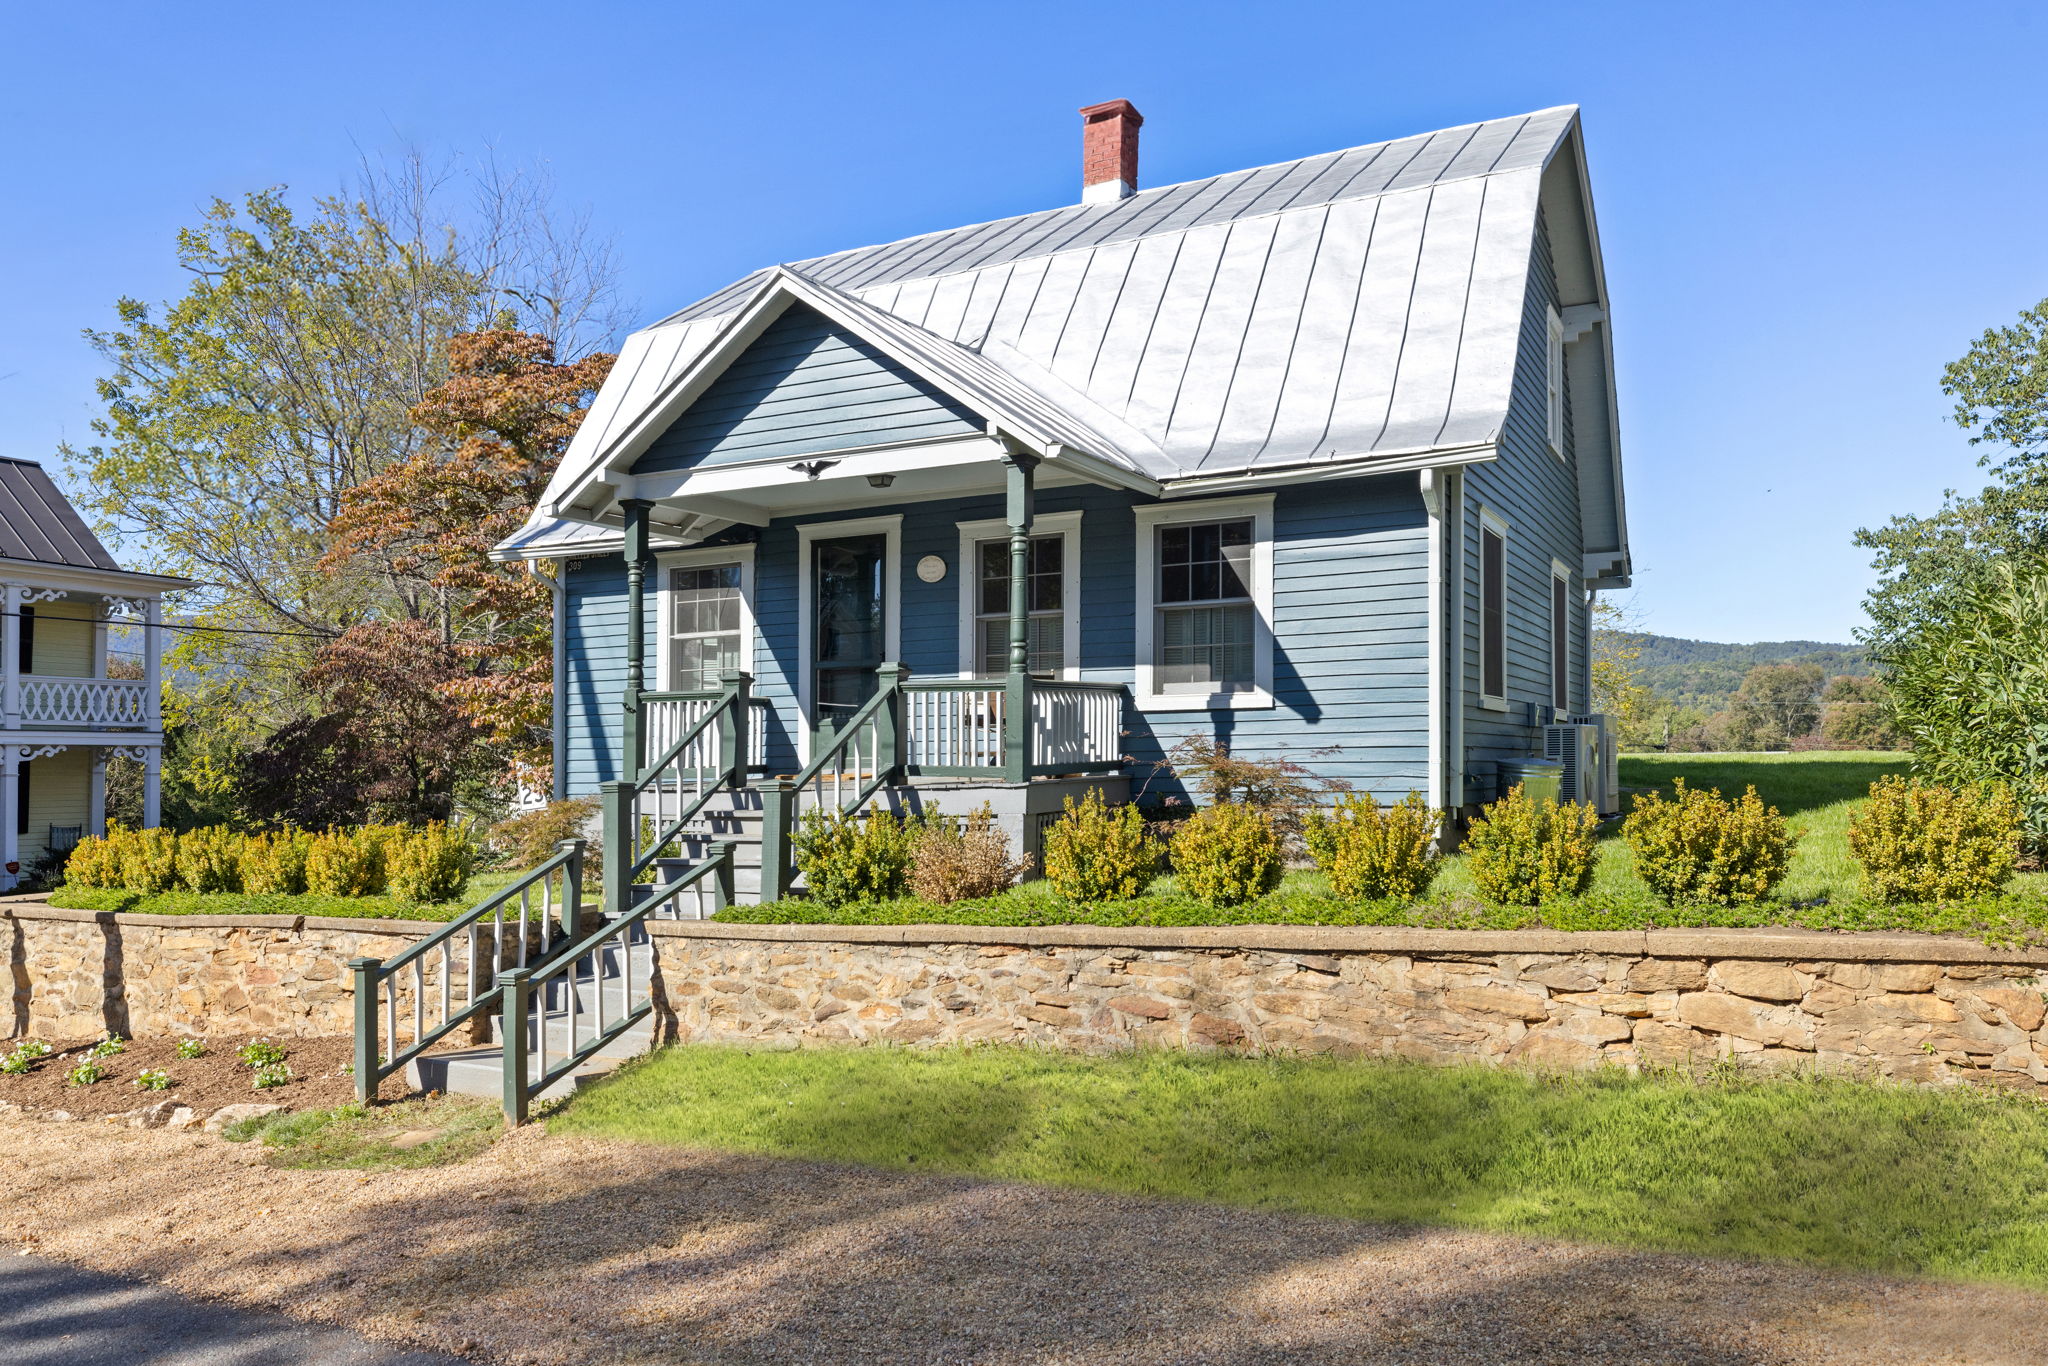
(956, 728)
(664, 720)
(108, 702)
(1076, 725)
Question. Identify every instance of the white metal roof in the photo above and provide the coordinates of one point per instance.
(1337, 308)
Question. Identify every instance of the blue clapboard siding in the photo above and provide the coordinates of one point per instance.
(804, 386)
(1350, 655)
(1538, 495)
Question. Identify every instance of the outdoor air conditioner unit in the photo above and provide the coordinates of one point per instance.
(1610, 758)
(1581, 750)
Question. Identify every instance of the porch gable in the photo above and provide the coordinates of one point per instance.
(806, 386)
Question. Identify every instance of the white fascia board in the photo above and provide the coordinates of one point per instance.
(79, 578)
(1339, 467)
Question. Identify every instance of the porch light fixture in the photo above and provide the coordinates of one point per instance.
(880, 481)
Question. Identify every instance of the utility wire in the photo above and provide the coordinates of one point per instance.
(173, 626)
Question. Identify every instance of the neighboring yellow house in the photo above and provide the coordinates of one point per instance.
(61, 717)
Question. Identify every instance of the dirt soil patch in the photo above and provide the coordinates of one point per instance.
(204, 1083)
(563, 1250)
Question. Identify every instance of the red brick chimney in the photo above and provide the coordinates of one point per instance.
(1109, 151)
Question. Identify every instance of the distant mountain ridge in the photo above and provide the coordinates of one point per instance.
(1706, 673)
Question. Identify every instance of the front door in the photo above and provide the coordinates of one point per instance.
(850, 613)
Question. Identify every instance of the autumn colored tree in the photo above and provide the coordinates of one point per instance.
(386, 742)
(499, 424)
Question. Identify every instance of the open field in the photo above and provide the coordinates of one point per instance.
(1853, 1174)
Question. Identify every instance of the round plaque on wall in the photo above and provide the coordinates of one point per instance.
(931, 569)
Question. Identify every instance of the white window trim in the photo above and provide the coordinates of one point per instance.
(1065, 525)
(742, 555)
(1560, 706)
(890, 527)
(1489, 520)
(1553, 364)
(1150, 519)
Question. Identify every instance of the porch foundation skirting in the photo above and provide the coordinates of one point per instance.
(1909, 1008)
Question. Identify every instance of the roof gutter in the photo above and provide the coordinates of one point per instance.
(1336, 467)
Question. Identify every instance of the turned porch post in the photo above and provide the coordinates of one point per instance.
(10, 792)
(1017, 738)
(630, 757)
(152, 787)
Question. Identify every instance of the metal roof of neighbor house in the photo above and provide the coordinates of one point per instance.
(38, 524)
(1357, 304)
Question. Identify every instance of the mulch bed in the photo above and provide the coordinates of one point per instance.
(204, 1083)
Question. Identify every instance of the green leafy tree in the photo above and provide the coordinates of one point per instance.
(1925, 563)
(1970, 691)
(1777, 704)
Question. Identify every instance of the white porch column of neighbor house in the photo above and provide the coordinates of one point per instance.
(152, 785)
(10, 656)
(96, 794)
(10, 790)
(152, 666)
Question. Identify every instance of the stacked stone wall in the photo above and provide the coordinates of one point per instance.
(1909, 1007)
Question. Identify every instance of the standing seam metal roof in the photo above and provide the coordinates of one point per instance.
(1357, 302)
(38, 524)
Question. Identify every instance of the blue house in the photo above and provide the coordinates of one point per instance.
(1319, 459)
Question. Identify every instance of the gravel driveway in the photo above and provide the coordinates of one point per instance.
(52, 1314)
(550, 1250)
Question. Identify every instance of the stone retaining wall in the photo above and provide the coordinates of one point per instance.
(1911, 1007)
(1916, 1008)
(81, 974)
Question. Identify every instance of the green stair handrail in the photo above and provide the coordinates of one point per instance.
(524, 1035)
(708, 757)
(558, 918)
(864, 756)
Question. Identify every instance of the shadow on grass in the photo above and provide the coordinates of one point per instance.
(884, 1245)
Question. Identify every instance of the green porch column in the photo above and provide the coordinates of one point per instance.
(1017, 685)
(630, 757)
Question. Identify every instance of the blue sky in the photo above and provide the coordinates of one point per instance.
(1806, 209)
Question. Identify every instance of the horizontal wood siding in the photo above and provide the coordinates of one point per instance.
(804, 387)
(1350, 657)
(1538, 495)
(59, 793)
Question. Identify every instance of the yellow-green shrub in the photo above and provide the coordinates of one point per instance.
(96, 861)
(1095, 852)
(149, 860)
(1919, 842)
(1373, 852)
(952, 861)
(1523, 852)
(276, 862)
(210, 860)
(1227, 854)
(347, 863)
(844, 859)
(430, 864)
(1698, 849)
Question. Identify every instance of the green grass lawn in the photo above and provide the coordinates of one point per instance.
(1816, 792)
(1945, 1182)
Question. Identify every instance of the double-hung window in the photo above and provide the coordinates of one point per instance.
(1493, 610)
(705, 621)
(1050, 594)
(1205, 597)
(1045, 592)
